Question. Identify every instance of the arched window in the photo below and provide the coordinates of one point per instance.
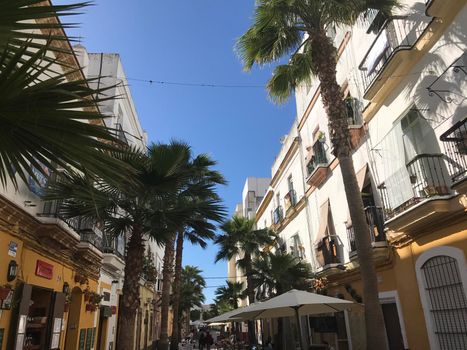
(445, 301)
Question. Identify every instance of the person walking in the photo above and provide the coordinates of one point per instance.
(202, 340)
(209, 341)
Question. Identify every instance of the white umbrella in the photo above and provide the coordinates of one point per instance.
(231, 316)
(295, 303)
(225, 317)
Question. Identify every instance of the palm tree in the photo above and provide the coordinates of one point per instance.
(191, 292)
(143, 207)
(240, 238)
(196, 234)
(231, 293)
(298, 29)
(199, 213)
(46, 110)
(276, 273)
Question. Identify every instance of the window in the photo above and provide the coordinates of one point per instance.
(447, 300)
(290, 183)
(442, 276)
(295, 247)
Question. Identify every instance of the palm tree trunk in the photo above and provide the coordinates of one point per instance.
(176, 292)
(167, 273)
(251, 297)
(324, 57)
(130, 291)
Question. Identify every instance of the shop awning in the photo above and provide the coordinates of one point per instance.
(323, 221)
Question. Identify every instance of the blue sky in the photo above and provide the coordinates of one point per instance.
(192, 41)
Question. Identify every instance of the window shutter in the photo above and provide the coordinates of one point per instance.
(57, 320)
(18, 333)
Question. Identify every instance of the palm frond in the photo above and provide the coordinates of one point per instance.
(273, 34)
(44, 121)
(287, 77)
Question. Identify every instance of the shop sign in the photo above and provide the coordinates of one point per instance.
(38, 182)
(106, 311)
(114, 309)
(12, 248)
(44, 269)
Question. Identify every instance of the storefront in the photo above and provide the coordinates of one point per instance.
(48, 290)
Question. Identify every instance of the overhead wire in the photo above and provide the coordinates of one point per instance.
(234, 86)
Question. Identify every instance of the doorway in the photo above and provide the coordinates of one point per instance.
(102, 330)
(71, 339)
(38, 318)
(393, 326)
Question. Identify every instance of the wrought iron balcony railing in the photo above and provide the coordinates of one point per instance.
(455, 145)
(328, 251)
(113, 245)
(318, 157)
(90, 233)
(375, 220)
(277, 215)
(290, 200)
(51, 209)
(397, 33)
(354, 115)
(428, 177)
(87, 230)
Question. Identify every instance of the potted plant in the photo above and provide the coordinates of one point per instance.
(97, 298)
(87, 294)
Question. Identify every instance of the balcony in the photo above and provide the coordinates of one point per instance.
(56, 231)
(389, 50)
(277, 215)
(318, 165)
(114, 252)
(90, 233)
(375, 221)
(73, 235)
(290, 200)
(426, 190)
(455, 146)
(329, 252)
(355, 121)
(51, 209)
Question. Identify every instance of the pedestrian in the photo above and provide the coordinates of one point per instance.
(202, 340)
(209, 341)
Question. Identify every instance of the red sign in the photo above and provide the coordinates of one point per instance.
(114, 309)
(44, 269)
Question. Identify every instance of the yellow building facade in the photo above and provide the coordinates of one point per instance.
(53, 275)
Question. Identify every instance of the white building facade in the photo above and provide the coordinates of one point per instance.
(107, 70)
(404, 83)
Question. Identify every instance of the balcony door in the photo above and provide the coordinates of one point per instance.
(425, 164)
(411, 160)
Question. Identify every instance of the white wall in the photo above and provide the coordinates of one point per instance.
(412, 88)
